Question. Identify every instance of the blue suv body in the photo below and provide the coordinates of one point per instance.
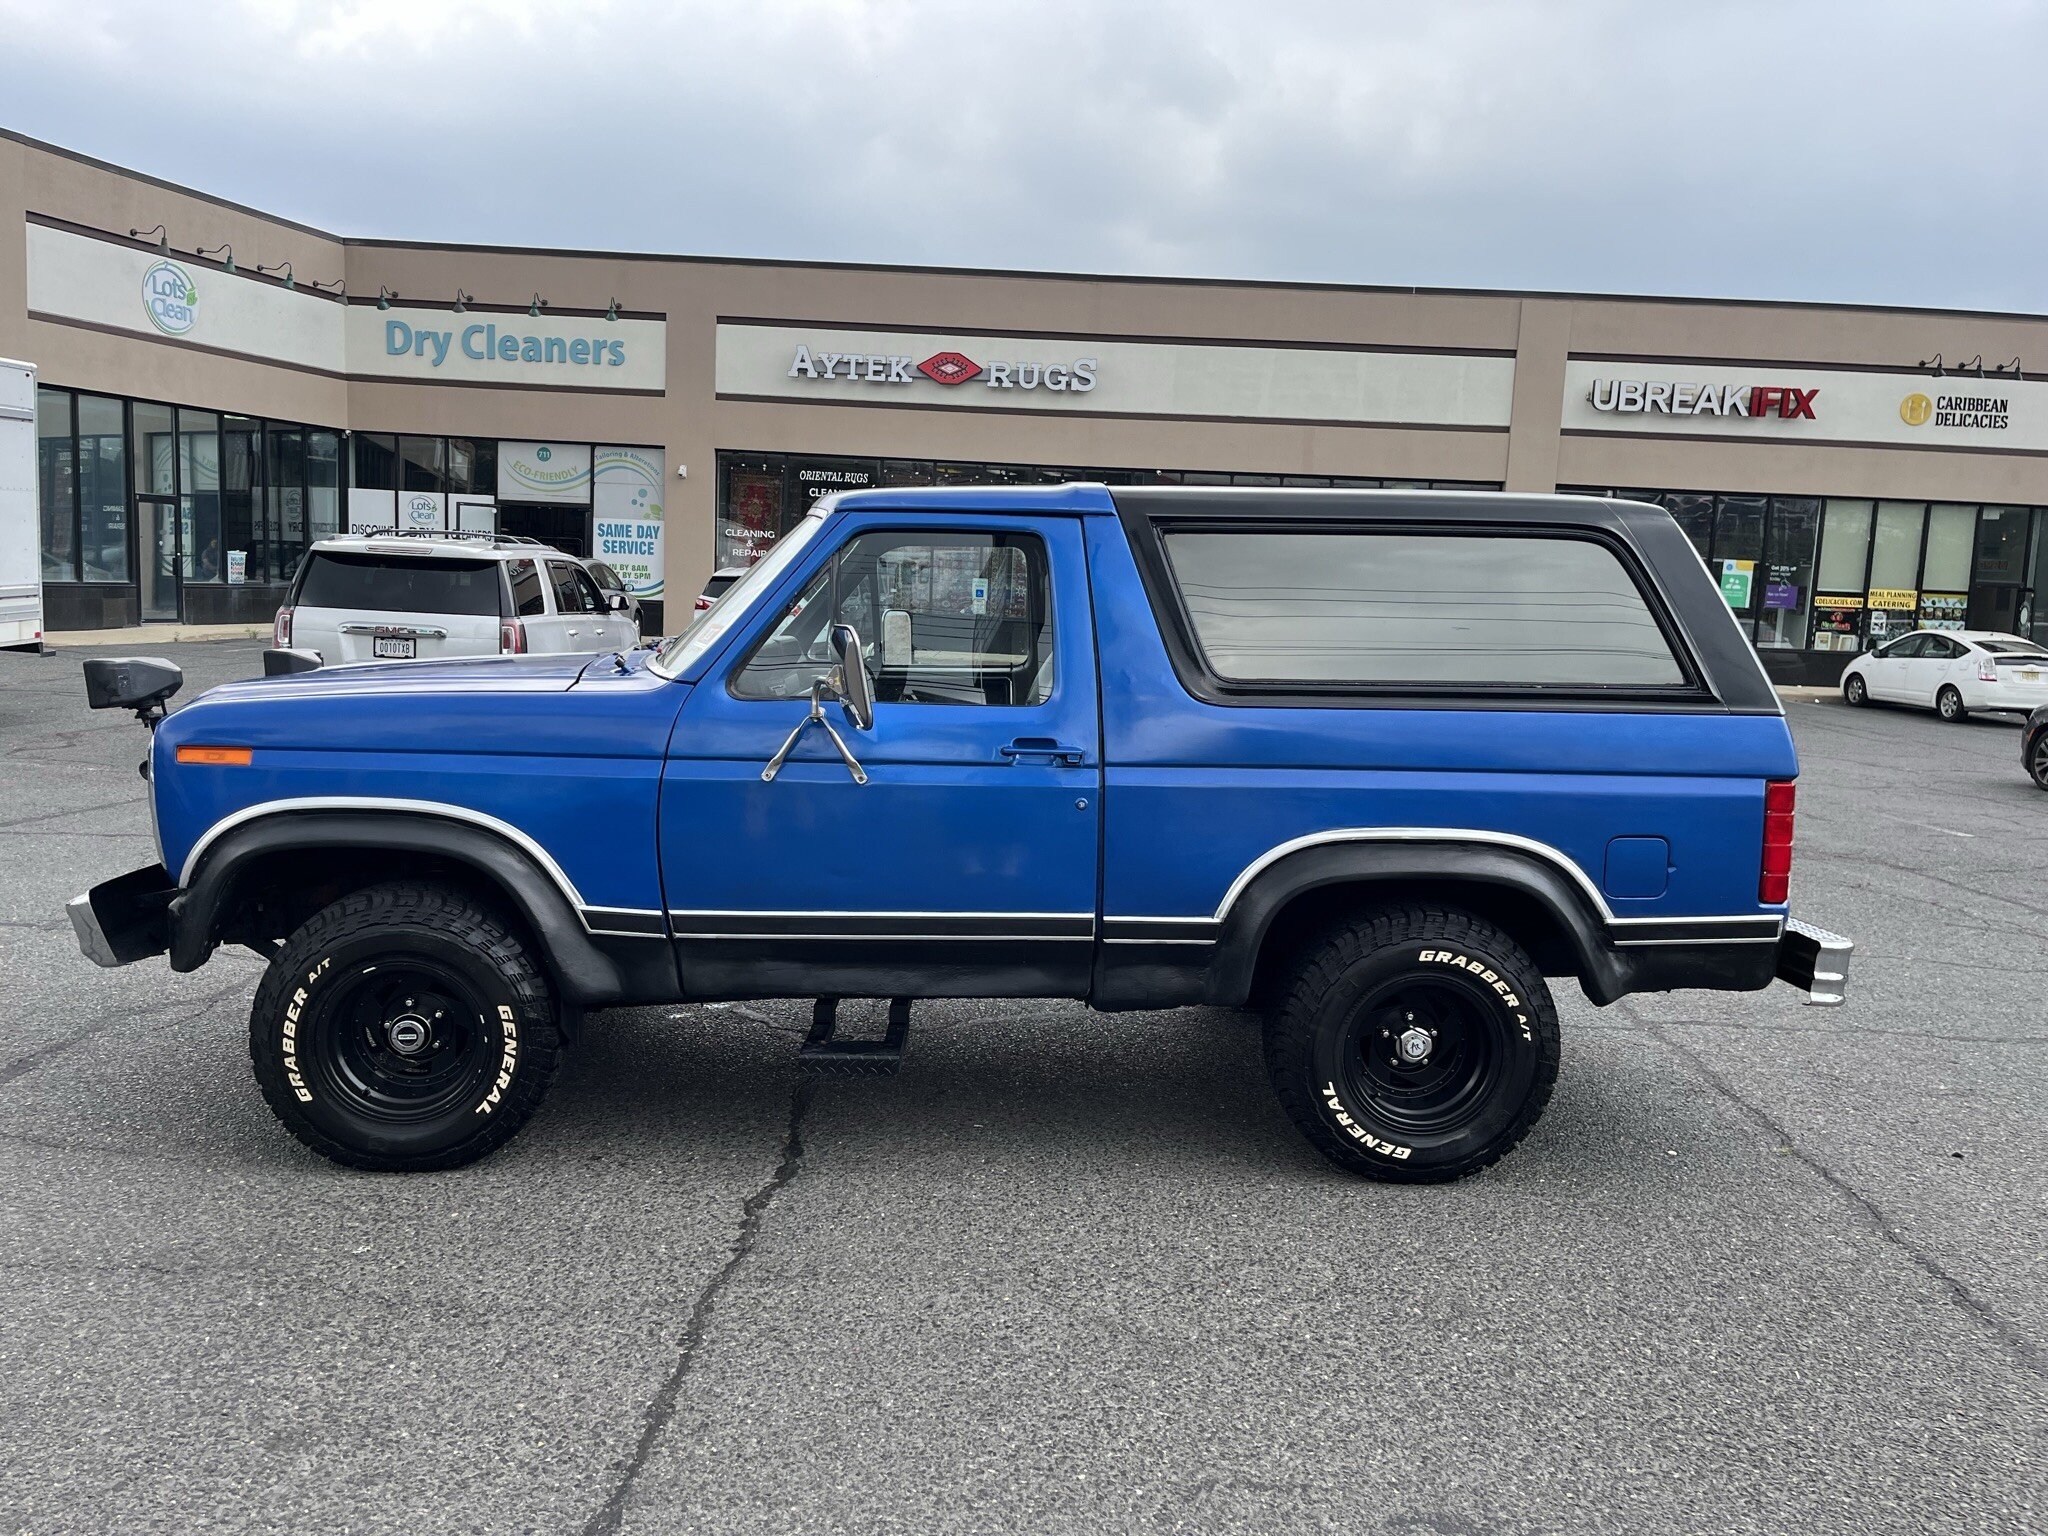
(1375, 763)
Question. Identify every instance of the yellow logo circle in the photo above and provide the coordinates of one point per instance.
(1915, 409)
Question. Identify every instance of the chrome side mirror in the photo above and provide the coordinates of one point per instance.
(853, 687)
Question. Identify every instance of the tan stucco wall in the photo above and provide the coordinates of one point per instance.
(690, 424)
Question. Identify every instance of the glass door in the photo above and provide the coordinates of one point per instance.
(156, 529)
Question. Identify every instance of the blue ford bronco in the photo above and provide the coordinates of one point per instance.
(1376, 764)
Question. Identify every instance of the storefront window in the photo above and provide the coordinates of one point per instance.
(155, 452)
(1738, 551)
(285, 461)
(241, 495)
(323, 484)
(1945, 574)
(56, 485)
(1838, 580)
(1695, 518)
(423, 464)
(1892, 601)
(750, 514)
(199, 495)
(1997, 600)
(376, 462)
(1787, 575)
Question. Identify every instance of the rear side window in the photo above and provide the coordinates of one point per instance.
(2012, 648)
(528, 600)
(1416, 609)
(569, 596)
(399, 584)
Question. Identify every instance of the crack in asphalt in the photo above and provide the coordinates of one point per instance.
(661, 1408)
(21, 1066)
(1957, 1293)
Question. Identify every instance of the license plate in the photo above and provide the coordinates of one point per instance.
(2031, 675)
(395, 648)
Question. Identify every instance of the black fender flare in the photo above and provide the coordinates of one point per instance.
(621, 957)
(1409, 863)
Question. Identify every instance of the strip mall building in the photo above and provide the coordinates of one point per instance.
(221, 386)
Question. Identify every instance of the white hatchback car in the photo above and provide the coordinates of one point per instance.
(408, 596)
(1952, 671)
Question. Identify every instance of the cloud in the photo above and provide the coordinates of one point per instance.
(1852, 150)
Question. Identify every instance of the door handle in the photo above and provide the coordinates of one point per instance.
(1040, 749)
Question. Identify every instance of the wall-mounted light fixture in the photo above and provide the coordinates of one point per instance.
(283, 266)
(2014, 368)
(227, 253)
(536, 306)
(1933, 363)
(611, 310)
(163, 238)
(1975, 365)
(384, 297)
(462, 301)
(338, 284)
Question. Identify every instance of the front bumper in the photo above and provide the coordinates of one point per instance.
(124, 919)
(1815, 961)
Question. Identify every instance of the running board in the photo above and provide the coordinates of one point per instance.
(823, 1054)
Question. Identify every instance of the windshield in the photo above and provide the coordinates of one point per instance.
(685, 648)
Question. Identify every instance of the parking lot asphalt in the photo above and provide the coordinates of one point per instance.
(1760, 1268)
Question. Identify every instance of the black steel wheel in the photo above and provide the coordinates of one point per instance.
(404, 1027)
(1414, 1044)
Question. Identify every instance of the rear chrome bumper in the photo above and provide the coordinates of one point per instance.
(124, 919)
(1816, 962)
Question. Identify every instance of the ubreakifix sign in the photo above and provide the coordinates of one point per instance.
(1814, 405)
(112, 285)
(1115, 377)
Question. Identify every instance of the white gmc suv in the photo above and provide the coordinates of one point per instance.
(400, 595)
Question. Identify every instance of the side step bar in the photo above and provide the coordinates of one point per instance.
(825, 1055)
(1816, 962)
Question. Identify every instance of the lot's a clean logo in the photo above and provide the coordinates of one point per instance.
(169, 298)
(1915, 409)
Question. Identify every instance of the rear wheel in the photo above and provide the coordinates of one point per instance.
(404, 1027)
(1948, 703)
(1854, 691)
(1414, 1044)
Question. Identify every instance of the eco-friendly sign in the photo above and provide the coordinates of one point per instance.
(626, 514)
(544, 472)
(169, 298)
(1736, 577)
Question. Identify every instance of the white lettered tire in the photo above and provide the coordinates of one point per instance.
(1413, 1044)
(404, 1027)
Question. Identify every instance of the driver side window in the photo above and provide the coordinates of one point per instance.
(943, 618)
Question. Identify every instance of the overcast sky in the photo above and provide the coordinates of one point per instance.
(1857, 150)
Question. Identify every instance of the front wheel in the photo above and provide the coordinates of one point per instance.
(1414, 1044)
(1854, 691)
(1949, 704)
(404, 1027)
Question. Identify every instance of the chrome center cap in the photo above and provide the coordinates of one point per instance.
(1414, 1046)
(409, 1034)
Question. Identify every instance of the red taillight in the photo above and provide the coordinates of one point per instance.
(1774, 885)
(281, 630)
(703, 602)
(1987, 670)
(511, 638)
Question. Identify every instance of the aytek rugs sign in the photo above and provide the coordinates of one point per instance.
(948, 367)
(1651, 397)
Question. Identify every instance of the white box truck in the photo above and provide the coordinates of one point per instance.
(21, 568)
